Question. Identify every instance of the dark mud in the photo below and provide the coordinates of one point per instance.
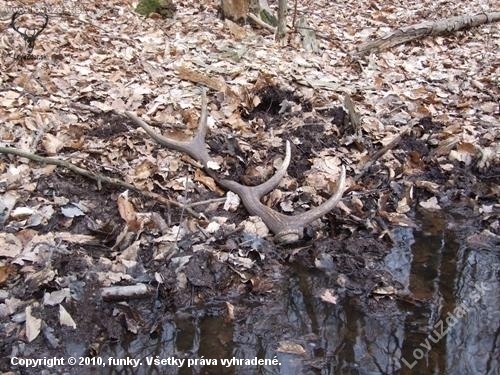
(348, 301)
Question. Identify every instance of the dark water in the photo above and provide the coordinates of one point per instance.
(446, 322)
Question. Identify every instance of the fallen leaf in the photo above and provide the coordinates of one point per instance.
(232, 201)
(430, 204)
(10, 245)
(208, 181)
(56, 297)
(328, 295)
(52, 144)
(65, 318)
(127, 211)
(72, 211)
(6, 271)
(230, 312)
(290, 347)
(32, 325)
(254, 225)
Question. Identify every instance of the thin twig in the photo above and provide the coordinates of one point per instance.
(294, 19)
(100, 178)
(208, 201)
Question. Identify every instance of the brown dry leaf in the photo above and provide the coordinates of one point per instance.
(52, 144)
(6, 271)
(32, 325)
(10, 245)
(466, 147)
(236, 30)
(127, 211)
(291, 347)
(430, 186)
(446, 145)
(9, 98)
(42, 277)
(208, 181)
(398, 219)
(215, 83)
(144, 170)
(464, 153)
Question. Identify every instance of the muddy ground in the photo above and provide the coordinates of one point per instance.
(237, 279)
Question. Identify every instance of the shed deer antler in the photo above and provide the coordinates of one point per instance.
(196, 147)
(287, 229)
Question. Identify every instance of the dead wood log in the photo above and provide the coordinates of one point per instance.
(427, 28)
(127, 292)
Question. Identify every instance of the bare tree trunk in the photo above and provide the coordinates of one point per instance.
(282, 10)
(428, 28)
(235, 9)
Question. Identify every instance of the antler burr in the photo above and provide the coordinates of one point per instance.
(287, 229)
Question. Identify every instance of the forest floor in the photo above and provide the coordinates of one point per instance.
(427, 141)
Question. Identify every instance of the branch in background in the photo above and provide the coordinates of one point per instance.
(294, 13)
(427, 28)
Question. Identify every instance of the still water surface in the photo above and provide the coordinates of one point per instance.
(446, 321)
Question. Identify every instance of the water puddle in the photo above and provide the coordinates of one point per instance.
(443, 319)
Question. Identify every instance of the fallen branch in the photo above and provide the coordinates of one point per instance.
(427, 28)
(100, 178)
(261, 23)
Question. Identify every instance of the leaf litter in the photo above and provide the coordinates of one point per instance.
(417, 127)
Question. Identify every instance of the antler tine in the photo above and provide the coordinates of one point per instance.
(196, 147)
(264, 188)
(287, 229)
(316, 212)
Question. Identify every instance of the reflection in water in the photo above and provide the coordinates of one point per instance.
(445, 322)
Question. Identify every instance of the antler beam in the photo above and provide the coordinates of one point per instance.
(287, 229)
(196, 147)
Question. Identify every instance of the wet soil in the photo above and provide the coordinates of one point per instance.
(203, 289)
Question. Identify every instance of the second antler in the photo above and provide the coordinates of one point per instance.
(287, 229)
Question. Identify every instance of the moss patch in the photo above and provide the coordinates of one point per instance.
(165, 8)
